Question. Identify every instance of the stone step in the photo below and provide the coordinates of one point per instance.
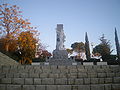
(59, 69)
(59, 81)
(55, 71)
(60, 75)
(61, 87)
(59, 66)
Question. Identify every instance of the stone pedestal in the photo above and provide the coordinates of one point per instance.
(60, 62)
(60, 55)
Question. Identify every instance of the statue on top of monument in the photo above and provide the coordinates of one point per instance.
(60, 37)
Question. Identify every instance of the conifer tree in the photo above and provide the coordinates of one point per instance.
(117, 44)
(87, 49)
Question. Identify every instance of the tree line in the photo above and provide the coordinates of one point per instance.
(103, 49)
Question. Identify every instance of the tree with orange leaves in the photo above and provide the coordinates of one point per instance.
(11, 23)
(17, 33)
(27, 46)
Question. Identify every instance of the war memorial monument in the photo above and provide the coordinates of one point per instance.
(60, 55)
(60, 52)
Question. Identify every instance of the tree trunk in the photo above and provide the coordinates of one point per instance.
(7, 47)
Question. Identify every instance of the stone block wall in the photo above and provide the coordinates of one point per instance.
(47, 77)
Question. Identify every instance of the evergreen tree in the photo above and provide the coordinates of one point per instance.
(87, 49)
(117, 44)
(103, 48)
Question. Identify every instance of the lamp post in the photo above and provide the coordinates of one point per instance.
(36, 50)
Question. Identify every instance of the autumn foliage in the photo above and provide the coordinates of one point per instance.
(11, 23)
(17, 34)
(27, 46)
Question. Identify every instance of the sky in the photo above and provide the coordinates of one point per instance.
(96, 17)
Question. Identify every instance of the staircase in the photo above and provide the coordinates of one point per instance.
(46, 77)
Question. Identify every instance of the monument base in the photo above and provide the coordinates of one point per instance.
(60, 62)
(60, 54)
(60, 57)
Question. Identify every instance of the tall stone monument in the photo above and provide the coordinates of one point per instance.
(60, 53)
(60, 37)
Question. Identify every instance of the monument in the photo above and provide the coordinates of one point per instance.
(60, 37)
(60, 53)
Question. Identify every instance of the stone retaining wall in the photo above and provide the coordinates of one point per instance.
(46, 77)
(5, 60)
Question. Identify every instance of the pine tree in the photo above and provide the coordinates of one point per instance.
(117, 44)
(87, 49)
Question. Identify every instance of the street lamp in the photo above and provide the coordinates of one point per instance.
(36, 49)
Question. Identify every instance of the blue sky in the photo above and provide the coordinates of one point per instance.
(96, 17)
